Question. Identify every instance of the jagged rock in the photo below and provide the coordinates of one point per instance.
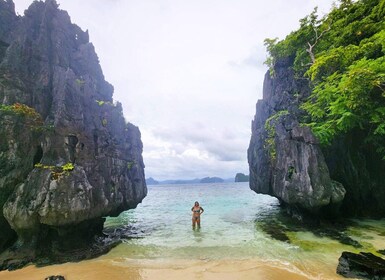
(285, 158)
(19, 150)
(362, 266)
(8, 19)
(70, 159)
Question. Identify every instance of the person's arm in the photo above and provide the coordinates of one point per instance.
(192, 209)
(202, 210)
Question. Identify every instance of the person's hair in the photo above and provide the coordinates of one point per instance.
(196, 202)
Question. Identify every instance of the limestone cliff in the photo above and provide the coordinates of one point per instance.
(328, 75)
(67, 156)
(285, 158)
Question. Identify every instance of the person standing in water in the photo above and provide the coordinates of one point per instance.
(196, 216)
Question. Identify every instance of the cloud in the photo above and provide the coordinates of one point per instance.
(255, 58)
(188, 73)
(200, 151)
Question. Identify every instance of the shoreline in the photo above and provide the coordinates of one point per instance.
(119, 268)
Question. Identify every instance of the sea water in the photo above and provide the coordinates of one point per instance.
(161, 225)
(231, 229)
(243, 235)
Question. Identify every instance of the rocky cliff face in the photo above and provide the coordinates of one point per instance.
(358, 166)
(285, 158)
(67, 156)
(286, 161)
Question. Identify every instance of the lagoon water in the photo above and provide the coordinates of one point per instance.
(233, 242)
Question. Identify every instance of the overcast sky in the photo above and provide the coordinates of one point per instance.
(188, 73)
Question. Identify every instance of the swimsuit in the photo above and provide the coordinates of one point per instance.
(196, 214)
(197, 211)
(196, 218)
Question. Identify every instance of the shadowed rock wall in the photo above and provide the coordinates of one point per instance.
(70, 159)
(286, 161)
(285, 158)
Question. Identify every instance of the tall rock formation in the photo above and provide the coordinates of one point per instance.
(285, 158)
(67, 157)
(286, 161)
(339, 61)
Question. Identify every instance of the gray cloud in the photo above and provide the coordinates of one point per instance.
(188, 73)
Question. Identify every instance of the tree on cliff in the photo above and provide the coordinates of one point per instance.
(346, 70)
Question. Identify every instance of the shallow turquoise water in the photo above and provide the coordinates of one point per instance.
(162, 222)
(160, 227)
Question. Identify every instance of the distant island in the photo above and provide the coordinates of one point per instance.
(212, 180)
(240, 177)
(205, 180)
(151, 181)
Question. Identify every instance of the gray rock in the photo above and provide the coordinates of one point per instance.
(285, 158)
(344, 178)
(19, 149)
(8, 20)
(362, 266)
(89, 160)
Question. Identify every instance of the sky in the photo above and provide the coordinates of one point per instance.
(188, 73)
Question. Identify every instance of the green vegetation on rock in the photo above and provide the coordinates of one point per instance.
(57, 171)
(342, 56)
(32, 117)
(130, 164)
(270, 126)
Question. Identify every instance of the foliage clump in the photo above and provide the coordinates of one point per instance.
(130, 164)
(30, 116)
(102, 102)
(343, 57)
(270, 126)
(57, 171)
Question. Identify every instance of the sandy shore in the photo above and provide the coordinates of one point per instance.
(134, 269)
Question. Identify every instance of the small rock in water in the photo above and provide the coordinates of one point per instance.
(362, 265)
(55, 277)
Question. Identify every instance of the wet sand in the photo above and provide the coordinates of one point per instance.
(134, 269)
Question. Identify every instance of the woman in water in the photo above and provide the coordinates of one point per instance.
(196, 216)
